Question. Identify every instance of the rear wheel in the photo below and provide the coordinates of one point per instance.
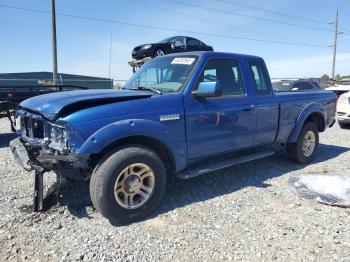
(305, 149)
(128, 184)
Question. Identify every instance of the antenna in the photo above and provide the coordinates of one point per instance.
(110, 57)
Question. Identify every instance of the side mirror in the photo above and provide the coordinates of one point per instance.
(208, 89)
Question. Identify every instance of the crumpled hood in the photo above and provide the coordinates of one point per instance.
(55, 105)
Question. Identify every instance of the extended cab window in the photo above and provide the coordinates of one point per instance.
(260, 79)
(227, 72)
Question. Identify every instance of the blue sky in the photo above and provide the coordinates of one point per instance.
(83, 46)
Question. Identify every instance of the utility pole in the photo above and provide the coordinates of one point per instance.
(54, 42)
(335, 44)
(110, 57)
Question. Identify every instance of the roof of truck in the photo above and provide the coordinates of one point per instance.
(215, 54)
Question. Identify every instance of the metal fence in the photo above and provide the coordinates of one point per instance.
(88, 83)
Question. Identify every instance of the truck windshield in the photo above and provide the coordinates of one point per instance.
(166, 74)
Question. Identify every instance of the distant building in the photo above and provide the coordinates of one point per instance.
(45, 78)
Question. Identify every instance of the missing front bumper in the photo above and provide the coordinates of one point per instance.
(28, 162)
(20, 154)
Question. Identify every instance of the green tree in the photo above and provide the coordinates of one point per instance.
(325, 77)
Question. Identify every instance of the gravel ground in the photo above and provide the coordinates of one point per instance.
(246, 212)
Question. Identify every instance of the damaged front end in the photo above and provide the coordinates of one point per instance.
(49, 145)
(45, 146)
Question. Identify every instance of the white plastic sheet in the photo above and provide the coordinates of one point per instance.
(325, 189)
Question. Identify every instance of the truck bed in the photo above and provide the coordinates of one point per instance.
(293, 103)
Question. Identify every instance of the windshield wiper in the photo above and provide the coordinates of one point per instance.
(147, 88)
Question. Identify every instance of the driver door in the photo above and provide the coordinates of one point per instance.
(220, 124)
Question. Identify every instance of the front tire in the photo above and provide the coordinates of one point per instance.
(128, 184)
(305, 149)
(159, 52)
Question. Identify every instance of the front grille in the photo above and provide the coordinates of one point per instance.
(34, 128)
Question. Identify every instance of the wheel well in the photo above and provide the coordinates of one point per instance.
(145, 141)
(318, 120)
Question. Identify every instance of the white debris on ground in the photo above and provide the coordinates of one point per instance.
(246, 212)
(326, 189)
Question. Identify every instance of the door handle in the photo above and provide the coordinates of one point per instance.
(249, 108)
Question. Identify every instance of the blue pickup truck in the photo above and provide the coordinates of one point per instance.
(183, 115)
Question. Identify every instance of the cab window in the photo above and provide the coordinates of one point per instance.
(260, 79)
(226, 71)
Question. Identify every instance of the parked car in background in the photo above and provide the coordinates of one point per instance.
(343, 110)
(339, 89)
(295, 86)
(175, 44)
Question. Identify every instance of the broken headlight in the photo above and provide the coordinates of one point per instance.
(58, 138)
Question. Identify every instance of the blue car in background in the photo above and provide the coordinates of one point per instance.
(184, 115)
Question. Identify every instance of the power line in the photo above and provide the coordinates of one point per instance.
(165, 28)
(192, 16)
(343, 51)
(247, 16)
(278, 13)
(345, 30)
(271, 11)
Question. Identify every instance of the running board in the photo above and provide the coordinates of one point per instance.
(223, 164)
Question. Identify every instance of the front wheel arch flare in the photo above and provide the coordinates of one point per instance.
(118, 131)
(145, 141)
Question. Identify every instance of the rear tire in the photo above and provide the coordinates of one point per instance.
(128, 184)
(305, 149)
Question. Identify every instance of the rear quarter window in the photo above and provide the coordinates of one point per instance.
(260, 78)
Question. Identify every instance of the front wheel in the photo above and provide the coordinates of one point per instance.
(128, 184)
(159, 52)
(305, 149)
